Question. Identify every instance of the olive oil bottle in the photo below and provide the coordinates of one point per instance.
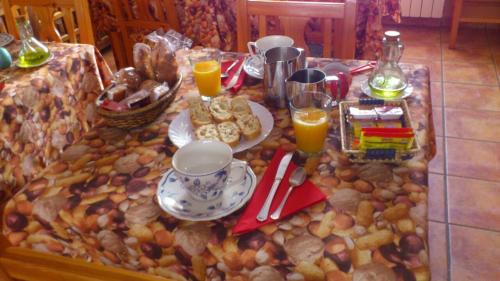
(33, 52)
(388, 79)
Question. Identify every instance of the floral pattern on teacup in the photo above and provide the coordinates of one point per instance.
(205, 187)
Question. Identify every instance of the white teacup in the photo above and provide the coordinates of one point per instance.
(204, 167)
(260, 46)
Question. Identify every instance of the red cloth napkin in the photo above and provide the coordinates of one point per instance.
(225, 81)
(302, 196)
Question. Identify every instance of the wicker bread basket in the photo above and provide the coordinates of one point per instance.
(138, 117)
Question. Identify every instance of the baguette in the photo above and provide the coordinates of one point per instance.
(240, 107)
(250, 126)
(199, 113)
(229, 133)
(221, 109)
(207, 132)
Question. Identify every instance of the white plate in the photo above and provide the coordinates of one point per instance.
(365, 88)
(5, 39)
(254, 67)
(36, 65)
(181, 131)
(175, 200)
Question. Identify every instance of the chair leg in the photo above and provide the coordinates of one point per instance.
(455, 21)
(118, 50)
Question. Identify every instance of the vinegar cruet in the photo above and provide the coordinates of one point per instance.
(388, 79)
(33, 52)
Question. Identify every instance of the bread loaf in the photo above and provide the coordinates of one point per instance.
(207, 132)
(249, 125)
(198, 112)
(229, 133)
(240, 107)
(164, 63)
(142, 60)
(221, 109)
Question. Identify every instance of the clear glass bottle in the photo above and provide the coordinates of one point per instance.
(33, 52)
(388, 79)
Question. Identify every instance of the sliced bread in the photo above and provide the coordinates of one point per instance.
(250, 126)
(221, 109)
(240, 107)
(207, 132)
(229, 133)
(199, 114)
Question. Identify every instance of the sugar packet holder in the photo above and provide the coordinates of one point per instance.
(373, 155)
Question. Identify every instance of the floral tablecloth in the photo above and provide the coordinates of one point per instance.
(45, 109)
(98, 203)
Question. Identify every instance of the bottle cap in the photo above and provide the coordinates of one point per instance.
(392, 35)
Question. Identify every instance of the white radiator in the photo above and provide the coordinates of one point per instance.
(422, 8)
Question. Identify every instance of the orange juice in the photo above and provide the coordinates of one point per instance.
(207, 77)
(311, 126)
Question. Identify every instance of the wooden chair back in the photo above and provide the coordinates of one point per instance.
(294, 16)
(136, 18)
(73, 13)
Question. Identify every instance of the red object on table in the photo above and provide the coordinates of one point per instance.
(301, 197)
(369, 66)
(225, 81)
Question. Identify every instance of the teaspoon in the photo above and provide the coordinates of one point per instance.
(297, 178)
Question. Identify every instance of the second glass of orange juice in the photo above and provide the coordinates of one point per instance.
(206, 72)
(310, 115)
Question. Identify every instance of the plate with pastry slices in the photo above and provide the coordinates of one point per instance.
(236, 121)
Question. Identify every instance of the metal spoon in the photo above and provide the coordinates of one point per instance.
(226, 73)
(297, 178)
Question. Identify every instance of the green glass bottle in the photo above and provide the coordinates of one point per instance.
(388, 79)
(33, 52)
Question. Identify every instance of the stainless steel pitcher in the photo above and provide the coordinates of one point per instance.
(314, 80)
(280, 62)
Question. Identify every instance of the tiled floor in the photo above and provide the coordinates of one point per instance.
(464, 198)
(464, 211)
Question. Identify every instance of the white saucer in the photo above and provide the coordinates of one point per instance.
(176, 200)
(254, 66)
(365, 88)
(181, 131)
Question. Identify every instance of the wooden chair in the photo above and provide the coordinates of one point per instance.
(473, 11)
(135, 18)
(294, 16)
(47, 12)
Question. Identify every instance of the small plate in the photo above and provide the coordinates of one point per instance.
(181, 131)
(36, 65)
(5, 39)
(254, 67)
(404, 94)
(176, 200)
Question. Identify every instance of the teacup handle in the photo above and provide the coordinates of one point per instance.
(251, 48)
(238, 172)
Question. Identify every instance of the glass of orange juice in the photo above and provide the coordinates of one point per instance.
(310, 115)
(206, 71)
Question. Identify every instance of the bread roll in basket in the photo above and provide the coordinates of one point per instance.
(137, 117)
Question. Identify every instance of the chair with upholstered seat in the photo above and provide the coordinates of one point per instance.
(74, 14)
(294, 16)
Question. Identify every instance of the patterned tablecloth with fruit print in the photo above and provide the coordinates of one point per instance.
(97, 203)
(45, 109)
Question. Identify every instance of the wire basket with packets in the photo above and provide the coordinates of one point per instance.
(377, 131)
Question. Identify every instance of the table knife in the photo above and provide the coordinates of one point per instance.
(235, 77)
(264, 211)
